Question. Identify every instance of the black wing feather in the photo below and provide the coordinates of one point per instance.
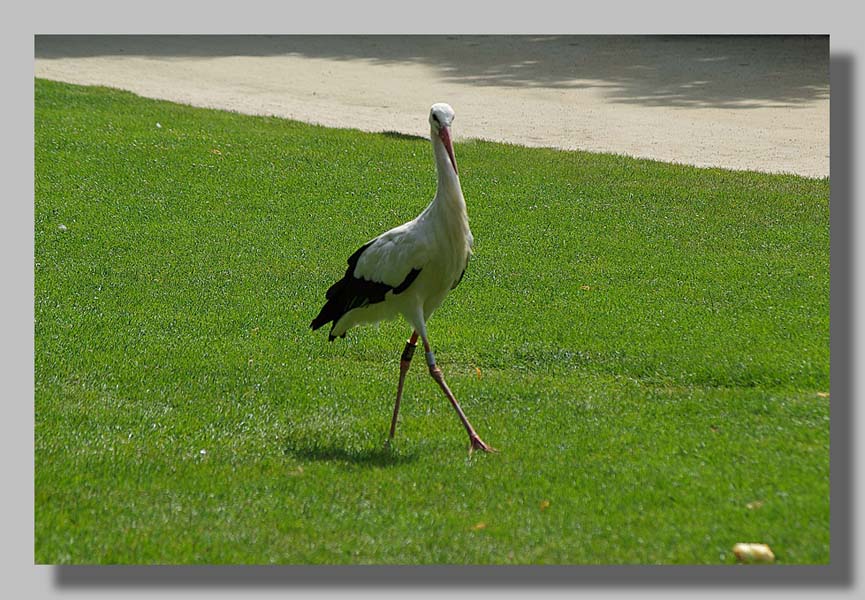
(352, 292)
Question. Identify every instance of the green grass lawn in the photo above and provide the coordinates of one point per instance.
(646, 344)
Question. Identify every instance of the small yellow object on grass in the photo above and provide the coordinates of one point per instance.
(753, 553)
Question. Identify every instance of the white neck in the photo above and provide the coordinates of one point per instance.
(449, 206)
(448, 180)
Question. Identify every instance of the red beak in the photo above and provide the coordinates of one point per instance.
(445, 135)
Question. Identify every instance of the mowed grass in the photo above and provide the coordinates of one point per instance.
(646, 344)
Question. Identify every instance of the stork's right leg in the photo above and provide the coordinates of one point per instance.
(404, 364)
(475, 441)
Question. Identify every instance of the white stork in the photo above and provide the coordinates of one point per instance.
(410, 269)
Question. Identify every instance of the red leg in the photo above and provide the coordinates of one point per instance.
(475, 441)
(404, 364)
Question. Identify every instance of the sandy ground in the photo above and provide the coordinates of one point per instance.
(759, 103)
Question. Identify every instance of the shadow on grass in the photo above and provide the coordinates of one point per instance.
(403, 136)
(304, 447)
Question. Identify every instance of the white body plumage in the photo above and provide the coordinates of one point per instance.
(430, 253)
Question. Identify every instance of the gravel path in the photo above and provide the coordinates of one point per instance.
(758, 103)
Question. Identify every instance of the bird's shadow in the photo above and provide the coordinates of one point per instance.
(347, 452)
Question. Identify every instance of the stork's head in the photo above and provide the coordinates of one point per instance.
(441, 116)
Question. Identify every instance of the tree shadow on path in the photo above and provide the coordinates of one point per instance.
(686, 71)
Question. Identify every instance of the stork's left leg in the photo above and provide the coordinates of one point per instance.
(475, 441)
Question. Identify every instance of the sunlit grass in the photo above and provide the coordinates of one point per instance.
(646, 344)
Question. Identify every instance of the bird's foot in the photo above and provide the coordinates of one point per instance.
(476, 443)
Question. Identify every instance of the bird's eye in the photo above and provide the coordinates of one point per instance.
(436, 118)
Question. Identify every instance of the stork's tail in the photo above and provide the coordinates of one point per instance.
(333, 309)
